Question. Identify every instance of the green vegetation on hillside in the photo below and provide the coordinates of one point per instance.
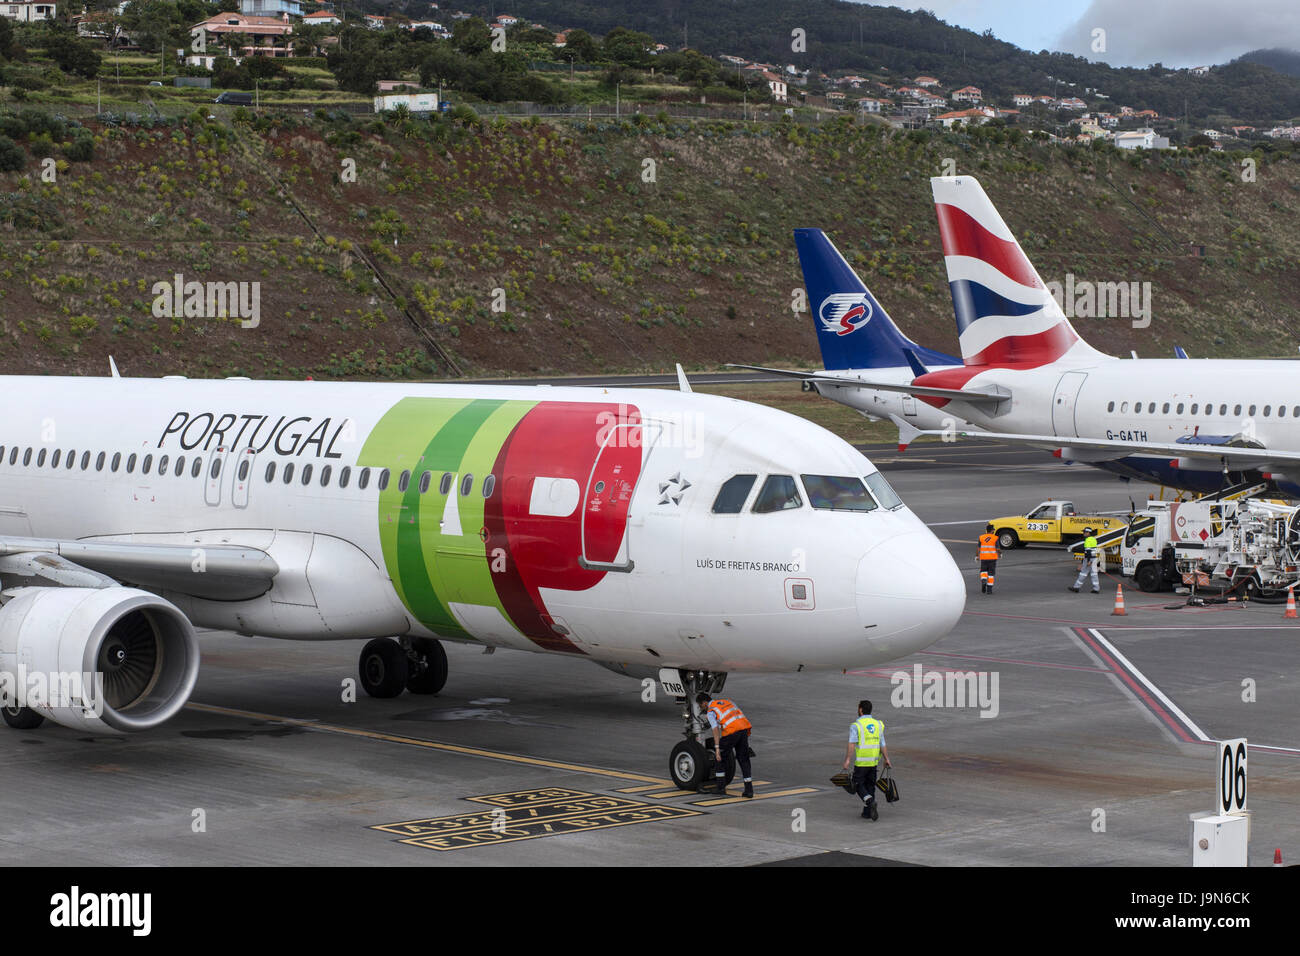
(542, 248)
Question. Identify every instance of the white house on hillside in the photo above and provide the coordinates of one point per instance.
(27, 11)
(1144, 138)
(776, 84)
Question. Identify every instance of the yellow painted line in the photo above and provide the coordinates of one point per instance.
(723, 801)
(674, 792)
(430, 744)
(643, 789)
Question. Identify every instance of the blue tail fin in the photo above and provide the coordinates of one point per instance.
(852, 328)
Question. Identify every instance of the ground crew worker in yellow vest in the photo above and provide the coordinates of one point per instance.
(988, 556)
(1091, 553)
(730, 735)
(866, 749)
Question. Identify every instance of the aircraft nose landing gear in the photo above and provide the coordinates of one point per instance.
(691, 762)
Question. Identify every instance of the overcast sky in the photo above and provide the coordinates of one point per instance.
(1138, 32)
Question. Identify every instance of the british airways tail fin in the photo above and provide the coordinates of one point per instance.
(853, 330)
(1005, 315)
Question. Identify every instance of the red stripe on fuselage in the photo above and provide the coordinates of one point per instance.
(958, 377)
(522, 604)
(962, 235)
(560, 440)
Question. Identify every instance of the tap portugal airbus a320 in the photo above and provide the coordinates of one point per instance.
(641, 530)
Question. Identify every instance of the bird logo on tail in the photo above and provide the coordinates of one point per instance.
(844, 312)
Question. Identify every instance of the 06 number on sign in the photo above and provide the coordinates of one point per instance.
(1232, 776)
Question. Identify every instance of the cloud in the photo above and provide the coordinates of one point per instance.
(1182, 32)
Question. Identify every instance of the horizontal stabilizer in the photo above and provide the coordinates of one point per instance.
(981, 397)
(907, 432)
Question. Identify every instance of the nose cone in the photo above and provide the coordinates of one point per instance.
(909, 591)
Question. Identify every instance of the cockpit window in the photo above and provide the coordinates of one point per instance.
(884, 494)
(779, 494)
(733, 494)
(837, 493)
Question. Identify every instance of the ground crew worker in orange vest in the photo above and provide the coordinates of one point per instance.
(730, 734)
(988, 556)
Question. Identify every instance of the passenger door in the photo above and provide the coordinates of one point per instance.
(1065, 402)
(607, 498)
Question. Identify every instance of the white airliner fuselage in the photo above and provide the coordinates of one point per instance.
(632, 528)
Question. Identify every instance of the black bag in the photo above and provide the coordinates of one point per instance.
(844, 779)
(887, 786)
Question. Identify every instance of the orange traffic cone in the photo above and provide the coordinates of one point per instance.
(1290, 603)
(1119, 602)
(1277, 857)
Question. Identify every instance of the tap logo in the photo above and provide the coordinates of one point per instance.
(844, 312)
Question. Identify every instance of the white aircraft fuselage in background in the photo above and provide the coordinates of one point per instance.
(1028, 376)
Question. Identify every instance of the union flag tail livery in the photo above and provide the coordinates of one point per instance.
(1005, 315)
(853, 329)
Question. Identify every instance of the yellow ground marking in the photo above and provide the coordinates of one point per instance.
(430, 744)
(723, 801)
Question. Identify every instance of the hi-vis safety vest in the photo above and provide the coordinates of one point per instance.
(870, 730)
(1089, 545)
(988, 547)
(730, 717)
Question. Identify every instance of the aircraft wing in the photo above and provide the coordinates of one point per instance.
(988, 397)
(1237, 457)
(216, 572)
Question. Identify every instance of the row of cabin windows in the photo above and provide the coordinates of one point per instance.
(1209, 409)
(68, 460)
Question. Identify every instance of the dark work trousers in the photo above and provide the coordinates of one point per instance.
(864, 782)
(739, 742)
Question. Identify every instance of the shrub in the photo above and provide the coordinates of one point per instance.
(12, 156)
(81, 149)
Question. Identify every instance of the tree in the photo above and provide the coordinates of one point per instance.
(441, 66)
(581, 47)
(151, 22)
(70, 54)
(6, 39)
(471, 36)
(627, 46)
(12, 156)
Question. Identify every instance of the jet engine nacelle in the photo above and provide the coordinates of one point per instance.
(106, 660)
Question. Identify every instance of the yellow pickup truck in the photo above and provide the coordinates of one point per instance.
(1052, 522)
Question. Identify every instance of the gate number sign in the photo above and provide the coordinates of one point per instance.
(1232, 776)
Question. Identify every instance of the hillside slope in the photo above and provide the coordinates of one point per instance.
(537, 248)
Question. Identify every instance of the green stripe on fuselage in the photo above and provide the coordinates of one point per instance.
(429, 568)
